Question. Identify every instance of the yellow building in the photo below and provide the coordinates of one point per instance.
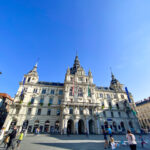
(143, 108)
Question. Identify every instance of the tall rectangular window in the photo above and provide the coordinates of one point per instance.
(34, 90)
(39, 112)
(71, 91)
(112, 114)
(90, 111)
(59, 101)
(60, 92)
(80, 92)
(32, 100)
(51, 101)
(52, 92)
(81, 111)
(70, 110)
(43, 91)
(58, 112)
(41, 101)
(48, 112)
(29, 111)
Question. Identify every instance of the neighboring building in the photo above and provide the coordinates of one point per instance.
(5, 102)
(77, 105)
(143, 109)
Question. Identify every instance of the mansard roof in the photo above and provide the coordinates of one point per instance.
(51, 83)
(103, 88)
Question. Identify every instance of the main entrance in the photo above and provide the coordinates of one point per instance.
(81, 127)
(91, 127)
(70, 127)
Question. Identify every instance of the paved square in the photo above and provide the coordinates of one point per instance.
(72, 142)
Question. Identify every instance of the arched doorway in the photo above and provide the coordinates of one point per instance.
(91, 126)
(57, 127)
(46, 127)
(36, 125)
(122, 126)
(81, 127)
(25, 125)
(70, 127)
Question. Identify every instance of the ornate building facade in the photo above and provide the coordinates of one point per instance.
(143, 109)
(76, 106)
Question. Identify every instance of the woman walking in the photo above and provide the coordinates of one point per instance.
(105, 138)
(131, 140)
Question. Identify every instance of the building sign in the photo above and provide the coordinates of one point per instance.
(109, 119)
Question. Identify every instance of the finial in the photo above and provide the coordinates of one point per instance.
(76, 53)
(112, 75)
(37, 62)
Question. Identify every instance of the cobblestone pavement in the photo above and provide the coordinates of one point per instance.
(73, 142)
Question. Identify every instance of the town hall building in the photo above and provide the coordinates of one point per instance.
(76, 106)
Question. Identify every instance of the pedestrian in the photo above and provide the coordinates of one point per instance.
(142, 141)
(131, 140)
(113, 144)
(105, 138)
(110, 135)
(12, 136)
(6, 140)
(20, 139)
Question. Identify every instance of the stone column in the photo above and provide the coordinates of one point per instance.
(87, 125)
(76, 126)
(98, 126)
(65, 125)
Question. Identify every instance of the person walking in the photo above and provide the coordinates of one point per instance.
(12, 136)
(131, 140)
(20, 139)
(105, 138)
(110, 135)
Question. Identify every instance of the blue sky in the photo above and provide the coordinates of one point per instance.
(105, 33)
